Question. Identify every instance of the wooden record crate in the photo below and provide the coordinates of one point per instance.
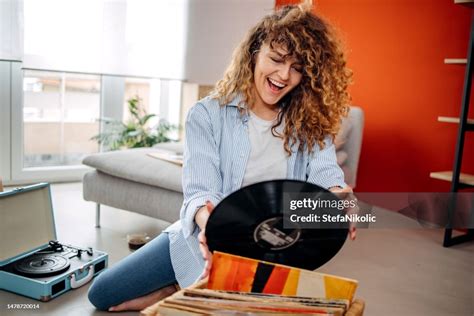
(356, 309)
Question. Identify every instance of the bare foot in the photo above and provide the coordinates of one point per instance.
(140, 303)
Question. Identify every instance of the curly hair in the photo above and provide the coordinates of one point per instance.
(312, 110)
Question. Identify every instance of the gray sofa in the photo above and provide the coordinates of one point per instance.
(133, 181)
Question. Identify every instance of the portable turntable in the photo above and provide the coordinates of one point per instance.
(32, 262)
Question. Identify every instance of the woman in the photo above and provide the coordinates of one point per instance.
(273, 115)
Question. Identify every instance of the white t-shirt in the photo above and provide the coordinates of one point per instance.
(268, 159)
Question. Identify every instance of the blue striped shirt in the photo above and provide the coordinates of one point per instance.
(216, 150)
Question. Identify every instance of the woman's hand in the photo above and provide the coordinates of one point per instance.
(202, 215)
(347, 193)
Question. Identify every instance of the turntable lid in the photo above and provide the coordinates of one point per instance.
(26, 221)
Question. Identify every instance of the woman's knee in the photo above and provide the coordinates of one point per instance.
(98, 293)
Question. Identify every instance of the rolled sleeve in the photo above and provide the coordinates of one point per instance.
(323, 169)
(188, 212)
(202, 179)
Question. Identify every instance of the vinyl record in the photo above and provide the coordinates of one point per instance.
(42, 265)
(249, 223)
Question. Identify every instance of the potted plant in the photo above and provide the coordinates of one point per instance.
(136, 132)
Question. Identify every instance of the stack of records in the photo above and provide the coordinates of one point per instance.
(243, 286)
(210, 302)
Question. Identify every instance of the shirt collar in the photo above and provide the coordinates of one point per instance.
(237, 99)
(235, 102)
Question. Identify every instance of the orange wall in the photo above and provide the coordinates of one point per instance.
(396, 50)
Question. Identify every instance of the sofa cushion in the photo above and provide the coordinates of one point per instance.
(176, 147)
(144, 199)
(135, 165)
(344, 133)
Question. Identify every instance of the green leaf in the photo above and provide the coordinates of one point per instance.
(142, 121)
(135, 132)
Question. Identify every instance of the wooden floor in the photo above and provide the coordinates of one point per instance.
(400, 271)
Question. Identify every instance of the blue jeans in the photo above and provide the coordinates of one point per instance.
(146, 270)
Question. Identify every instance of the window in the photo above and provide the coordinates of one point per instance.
(148, 90)
(160, 97)
(60, 114)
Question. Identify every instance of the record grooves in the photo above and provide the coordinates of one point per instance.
(42, 265)
(249, 223)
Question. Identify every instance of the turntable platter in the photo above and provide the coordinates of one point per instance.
(42, 265)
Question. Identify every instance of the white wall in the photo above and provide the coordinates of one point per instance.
(5, 120)
(11, 30)
(215, 28)
(143, 38)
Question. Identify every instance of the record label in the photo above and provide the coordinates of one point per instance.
(270, 234)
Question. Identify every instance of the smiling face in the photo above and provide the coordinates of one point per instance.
(276, 74)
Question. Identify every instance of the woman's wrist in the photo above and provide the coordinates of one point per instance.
(201, 216)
